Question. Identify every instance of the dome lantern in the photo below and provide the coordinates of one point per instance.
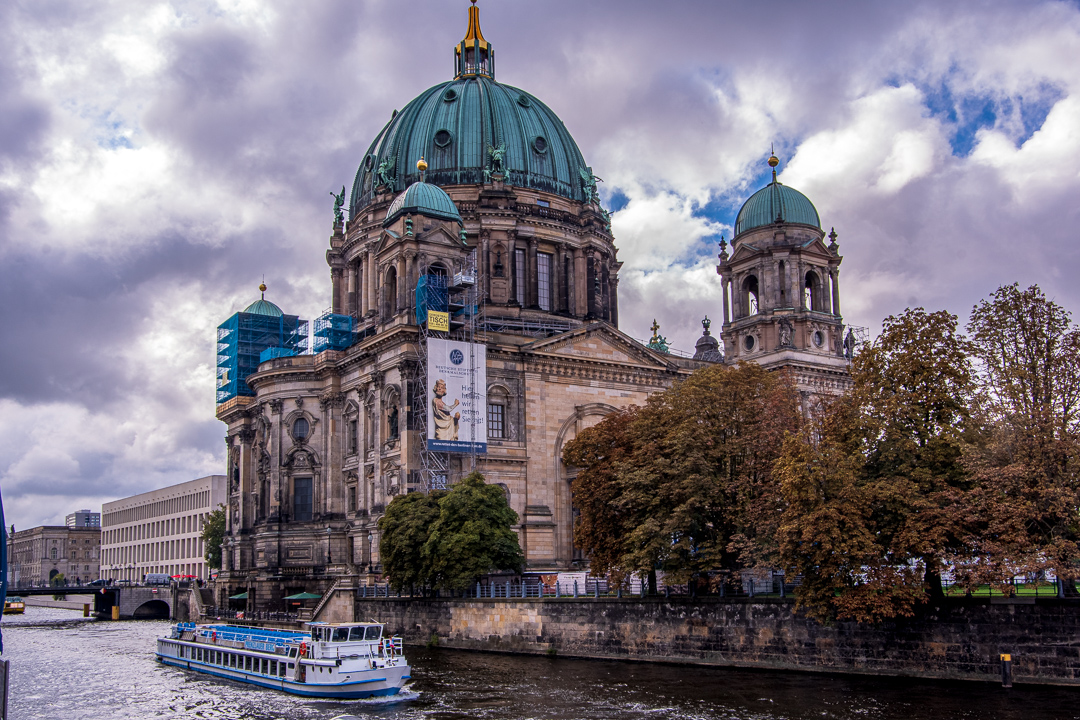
(474, 55)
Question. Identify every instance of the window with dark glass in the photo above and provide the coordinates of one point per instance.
(519, 276)
(496, 420)
(302, 499)
(351, 441)
(300, 428)
(543, 280)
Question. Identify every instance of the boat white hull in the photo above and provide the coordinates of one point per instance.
(376, 682)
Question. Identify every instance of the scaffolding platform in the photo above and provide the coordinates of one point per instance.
(333, 332)
(243, 338)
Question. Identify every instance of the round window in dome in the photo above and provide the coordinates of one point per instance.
(539, 144)
(523, 101)
(450, 95)
(818, 337)
(748, 342)
(443, 138)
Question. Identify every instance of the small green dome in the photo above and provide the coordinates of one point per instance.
(423, 199)
(776, 202)
(263, 307)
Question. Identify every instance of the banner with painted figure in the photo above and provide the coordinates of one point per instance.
(457, 396)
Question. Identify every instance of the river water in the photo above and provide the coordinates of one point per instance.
(68, 668)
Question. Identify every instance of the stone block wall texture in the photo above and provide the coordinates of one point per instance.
(961, 640)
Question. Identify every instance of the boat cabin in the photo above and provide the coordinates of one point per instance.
(346, 632)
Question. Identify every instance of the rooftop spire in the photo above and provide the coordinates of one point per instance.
(773, 161)
(474, 55)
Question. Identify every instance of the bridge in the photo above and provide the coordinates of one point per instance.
(135, 603)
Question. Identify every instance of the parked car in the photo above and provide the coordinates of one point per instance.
(98, 583)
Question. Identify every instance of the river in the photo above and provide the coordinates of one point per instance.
(68, 668)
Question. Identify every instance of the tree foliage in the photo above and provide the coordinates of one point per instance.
(872, 487)
(449, 539)
(213, 534)
(685, 483)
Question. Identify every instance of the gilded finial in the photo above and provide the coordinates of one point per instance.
(262, 289)
(421, 164)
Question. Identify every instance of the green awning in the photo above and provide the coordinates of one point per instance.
(304, 596)
(241, 596)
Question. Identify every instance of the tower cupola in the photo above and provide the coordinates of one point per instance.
(474, 55)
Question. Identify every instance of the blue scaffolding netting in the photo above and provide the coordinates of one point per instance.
(333, 332)
(242, 341)
(431, 294)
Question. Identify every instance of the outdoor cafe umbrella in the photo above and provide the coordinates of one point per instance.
(303, 596)
(241, 596)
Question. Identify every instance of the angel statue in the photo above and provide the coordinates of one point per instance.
(385, 172)
(588, 185)
(496, 156)
(339, 203)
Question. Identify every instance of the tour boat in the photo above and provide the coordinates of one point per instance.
(333, 660)
(14, 606)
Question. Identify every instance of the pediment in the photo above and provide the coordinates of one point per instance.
(599, 342)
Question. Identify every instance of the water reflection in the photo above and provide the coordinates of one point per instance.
(67, 667)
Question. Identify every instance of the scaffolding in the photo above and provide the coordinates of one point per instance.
(242, 341)
(463, 297)
(333, 332)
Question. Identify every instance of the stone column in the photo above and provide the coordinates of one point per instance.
(486, 261)
(350, 276)
(556, 279)
(373, 283)
(336, 293)
(402, 282)
(834, 276)
(581, 301)
(247, 470)
(725, 284)
(532, 298)
(362, 284)
(410, 281)
(614, 300)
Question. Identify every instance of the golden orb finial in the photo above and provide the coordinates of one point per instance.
(773, 161)
(421, 164)
(262, 287)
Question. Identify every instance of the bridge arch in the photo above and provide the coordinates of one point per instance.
(152, 610)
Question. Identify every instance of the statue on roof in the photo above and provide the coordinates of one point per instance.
(657, 342)
(588, 185)
(785, 333)
(607, 220)
(339, 203)
(496, 157)
(385, 174)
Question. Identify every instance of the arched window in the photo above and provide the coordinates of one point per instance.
(390, 288)
(301, 428)
(750, 295)
(812, 296)
(496, 414)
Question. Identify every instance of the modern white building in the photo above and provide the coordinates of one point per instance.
(158, 531)
(83, 518)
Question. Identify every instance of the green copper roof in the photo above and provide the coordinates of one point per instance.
(453, 125)
(423, 199)
(776, 202)
(264, 307)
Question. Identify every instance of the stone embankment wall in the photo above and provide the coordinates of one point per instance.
(962, 640)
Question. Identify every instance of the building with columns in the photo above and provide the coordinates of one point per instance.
(781, 292)
(474, 189)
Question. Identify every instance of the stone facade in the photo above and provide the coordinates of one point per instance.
(36, 555)
(961, 640)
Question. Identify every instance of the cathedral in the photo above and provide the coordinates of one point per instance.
(474, 325)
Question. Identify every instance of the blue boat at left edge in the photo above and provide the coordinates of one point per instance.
(333, 660)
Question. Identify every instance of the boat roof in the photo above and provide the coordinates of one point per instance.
(344, 625)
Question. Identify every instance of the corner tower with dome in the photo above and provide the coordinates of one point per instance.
(781, 291)
(477, 183)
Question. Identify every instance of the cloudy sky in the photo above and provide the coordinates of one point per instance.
(157, 159)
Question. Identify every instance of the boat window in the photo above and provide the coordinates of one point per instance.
(374, 632)
(357, 633)
(341, 634)
(273, 667)
(282, 672)
(293, 651)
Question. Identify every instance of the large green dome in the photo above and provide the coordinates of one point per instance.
(452, 125)
(776, 203)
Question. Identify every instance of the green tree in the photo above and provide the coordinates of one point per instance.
(58, 580)
(1028, 481)
(472, 536)
(685, 483)
(213, 534)
(403, 531)
(876, 491)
